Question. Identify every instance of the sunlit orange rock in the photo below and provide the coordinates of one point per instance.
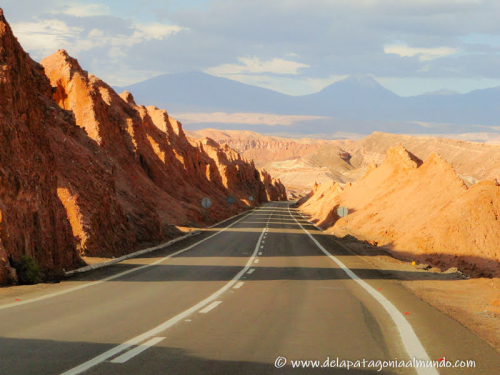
(87, 172)
(32, 218)
(419, 211)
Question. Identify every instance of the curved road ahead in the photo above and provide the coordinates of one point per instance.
(232, 300)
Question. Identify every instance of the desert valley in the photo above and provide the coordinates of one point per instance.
(350, 211)
(428, 198)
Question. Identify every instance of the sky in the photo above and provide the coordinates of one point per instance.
(292, 46)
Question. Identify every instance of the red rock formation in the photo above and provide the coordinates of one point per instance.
(273, 188)
(96, 174)
(118, 130)
(161, 176)
(419, 211)
(86, 187)
(260, 148)
(32, 219)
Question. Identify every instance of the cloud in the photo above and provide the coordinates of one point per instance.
(423, 54)
(255, 66)
(44, 37)
(243, 118)
(86, 10)
(285, 45)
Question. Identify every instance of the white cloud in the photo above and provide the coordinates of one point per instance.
(332, 37)
(255, 66)
(156, 30)
(243, 118)
(44, 37)
(86, 10)
(423, 54)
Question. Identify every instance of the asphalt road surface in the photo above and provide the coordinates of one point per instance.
(243, 298)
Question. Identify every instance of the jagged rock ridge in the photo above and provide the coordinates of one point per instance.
(85, 171)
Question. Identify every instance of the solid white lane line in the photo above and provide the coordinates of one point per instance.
(412, 344)
(251, 271)
(212, 306)
(92, 283)
(256, 261)
(167, 324)
(137, 350)
(238, 285)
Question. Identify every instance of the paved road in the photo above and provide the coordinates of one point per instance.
(249, 293)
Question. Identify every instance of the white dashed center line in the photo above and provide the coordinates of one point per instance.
(137, 350)
(135, 342)
(238, 285)
(212, 306)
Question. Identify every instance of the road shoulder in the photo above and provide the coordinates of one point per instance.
(475, 303)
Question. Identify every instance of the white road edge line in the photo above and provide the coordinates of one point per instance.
(411, 343)
(212, 306)
(238, 285)
(169, 323)
(92, 283)
(137, 350)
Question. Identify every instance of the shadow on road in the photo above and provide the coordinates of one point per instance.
(47, 357)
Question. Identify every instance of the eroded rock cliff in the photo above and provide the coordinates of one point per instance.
(33, 220)
(87, 172)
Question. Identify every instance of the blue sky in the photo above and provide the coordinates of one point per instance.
(292, 46)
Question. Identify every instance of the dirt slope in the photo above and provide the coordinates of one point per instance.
(419, 210)
(477, 160)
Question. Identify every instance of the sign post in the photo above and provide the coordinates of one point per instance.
(206, 203)
(342, 212)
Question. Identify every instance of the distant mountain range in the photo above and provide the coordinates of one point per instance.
(357, 104)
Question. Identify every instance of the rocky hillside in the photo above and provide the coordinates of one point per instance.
(261, 148)
(298, 163)
(418, 210)
(32, 218)
(85, 171)
(472, 160)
